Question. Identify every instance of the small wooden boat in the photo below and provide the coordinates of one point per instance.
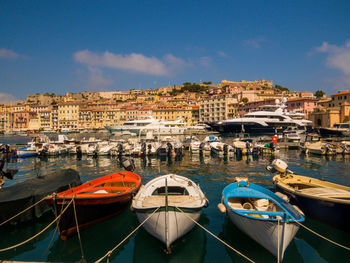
(27, 151)
(261, 214)
(95, 201)
(325, 201)
(167, 193)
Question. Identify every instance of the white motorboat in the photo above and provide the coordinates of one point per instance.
(222, 149)
(179, 202)
(204, 146)
(267, 120)
(147, 124)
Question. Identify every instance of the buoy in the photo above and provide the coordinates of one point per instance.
(283, 196)
(222, 208)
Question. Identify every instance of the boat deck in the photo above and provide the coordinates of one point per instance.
(323, 191)
(174, 200)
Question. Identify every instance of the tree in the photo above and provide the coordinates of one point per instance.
(245, 100)
(206, 82)
(319, 94)
(281, 88)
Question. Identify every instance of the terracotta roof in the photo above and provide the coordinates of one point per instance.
(341, 93)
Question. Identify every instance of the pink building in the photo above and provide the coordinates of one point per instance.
(21, 119)
(304, 105)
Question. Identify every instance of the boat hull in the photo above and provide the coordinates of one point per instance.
(266, 233)
(177, 223)
(328, 212)
(89, 212)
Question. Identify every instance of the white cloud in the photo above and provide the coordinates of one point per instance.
(96, 77)
(222, 54)
(205, 61)
(133, 62)
(6, 97)
(254, 43)
(8, 54)
(338, 56)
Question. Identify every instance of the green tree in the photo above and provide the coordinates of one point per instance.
(281, 88)
(245, 100)
(319, 94)
(206, 82)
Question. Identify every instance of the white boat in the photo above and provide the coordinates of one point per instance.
(147, 124)
(204, 146)
(319, 148)
(261, 214)
(222, 149)
(267, 120)
(169, 193)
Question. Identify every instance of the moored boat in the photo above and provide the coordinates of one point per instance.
(325, 201)
(168, 194)
(94, 201)
(261, 214)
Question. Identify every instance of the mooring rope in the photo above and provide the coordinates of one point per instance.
(325, 238)
(43, 230)
(222, 241)
(278, 241)
(108, 254)
(22, 211)
(78, 232)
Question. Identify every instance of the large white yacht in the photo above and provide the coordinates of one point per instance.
(269, 119)
(150, 124)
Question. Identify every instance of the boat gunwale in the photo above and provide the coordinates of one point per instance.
(291, 190)
(287, 214)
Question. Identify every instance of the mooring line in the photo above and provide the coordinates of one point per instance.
(78, 232)
(43, 230)
(22, 211)
(222, 241)
(325, 238)
(108, 254)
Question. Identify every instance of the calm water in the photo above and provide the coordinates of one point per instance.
(213, 174)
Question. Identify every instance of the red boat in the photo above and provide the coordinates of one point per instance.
(94, 201)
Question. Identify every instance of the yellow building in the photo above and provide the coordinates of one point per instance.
(169, 112)
(68, 115)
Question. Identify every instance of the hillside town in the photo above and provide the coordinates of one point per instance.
(193, 103)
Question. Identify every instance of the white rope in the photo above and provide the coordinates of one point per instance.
(235, 250)
(325, 238)
(108, 254)
(278, 241)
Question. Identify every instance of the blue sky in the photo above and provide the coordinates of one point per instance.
(74, 46)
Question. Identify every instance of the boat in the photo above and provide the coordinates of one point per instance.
(176, 199)
(204, 146)
(222, 149)
(338, 130)
(147, 124)
(261, 214)
(18, 197)
(269, 119)
(27, 151)
(319, 199)
(94, 201)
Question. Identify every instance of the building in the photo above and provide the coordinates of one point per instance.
(214, 108)
(68, 115)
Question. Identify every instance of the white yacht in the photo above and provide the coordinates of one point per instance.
(268, 120)
(158, 127)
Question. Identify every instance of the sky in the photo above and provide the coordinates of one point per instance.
(75, 46)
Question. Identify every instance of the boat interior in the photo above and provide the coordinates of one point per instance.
(177, 196)
(320, 191)
(254, 204)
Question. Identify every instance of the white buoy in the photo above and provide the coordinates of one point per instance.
(222, 208)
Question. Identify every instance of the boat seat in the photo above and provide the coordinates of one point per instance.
(175, 200)
(235, 205)
(324, 191)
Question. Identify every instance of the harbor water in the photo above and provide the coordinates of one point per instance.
(213, 174)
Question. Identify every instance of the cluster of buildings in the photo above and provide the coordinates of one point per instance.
(212, 102)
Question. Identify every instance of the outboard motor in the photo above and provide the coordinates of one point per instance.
(225, 149)
(120, 148)
(143, 148)
(128, 164)
(149, 147)
(44, 150)
(201, 146)
(169, 147)
(9, 173)
(79, 151)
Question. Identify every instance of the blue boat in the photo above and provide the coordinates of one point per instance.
(263, 215)
(27, 151)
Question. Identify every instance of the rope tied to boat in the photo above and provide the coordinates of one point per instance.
(222, 241)
(325, 238)
(25, 210)
(40, 232)
(109, 253)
